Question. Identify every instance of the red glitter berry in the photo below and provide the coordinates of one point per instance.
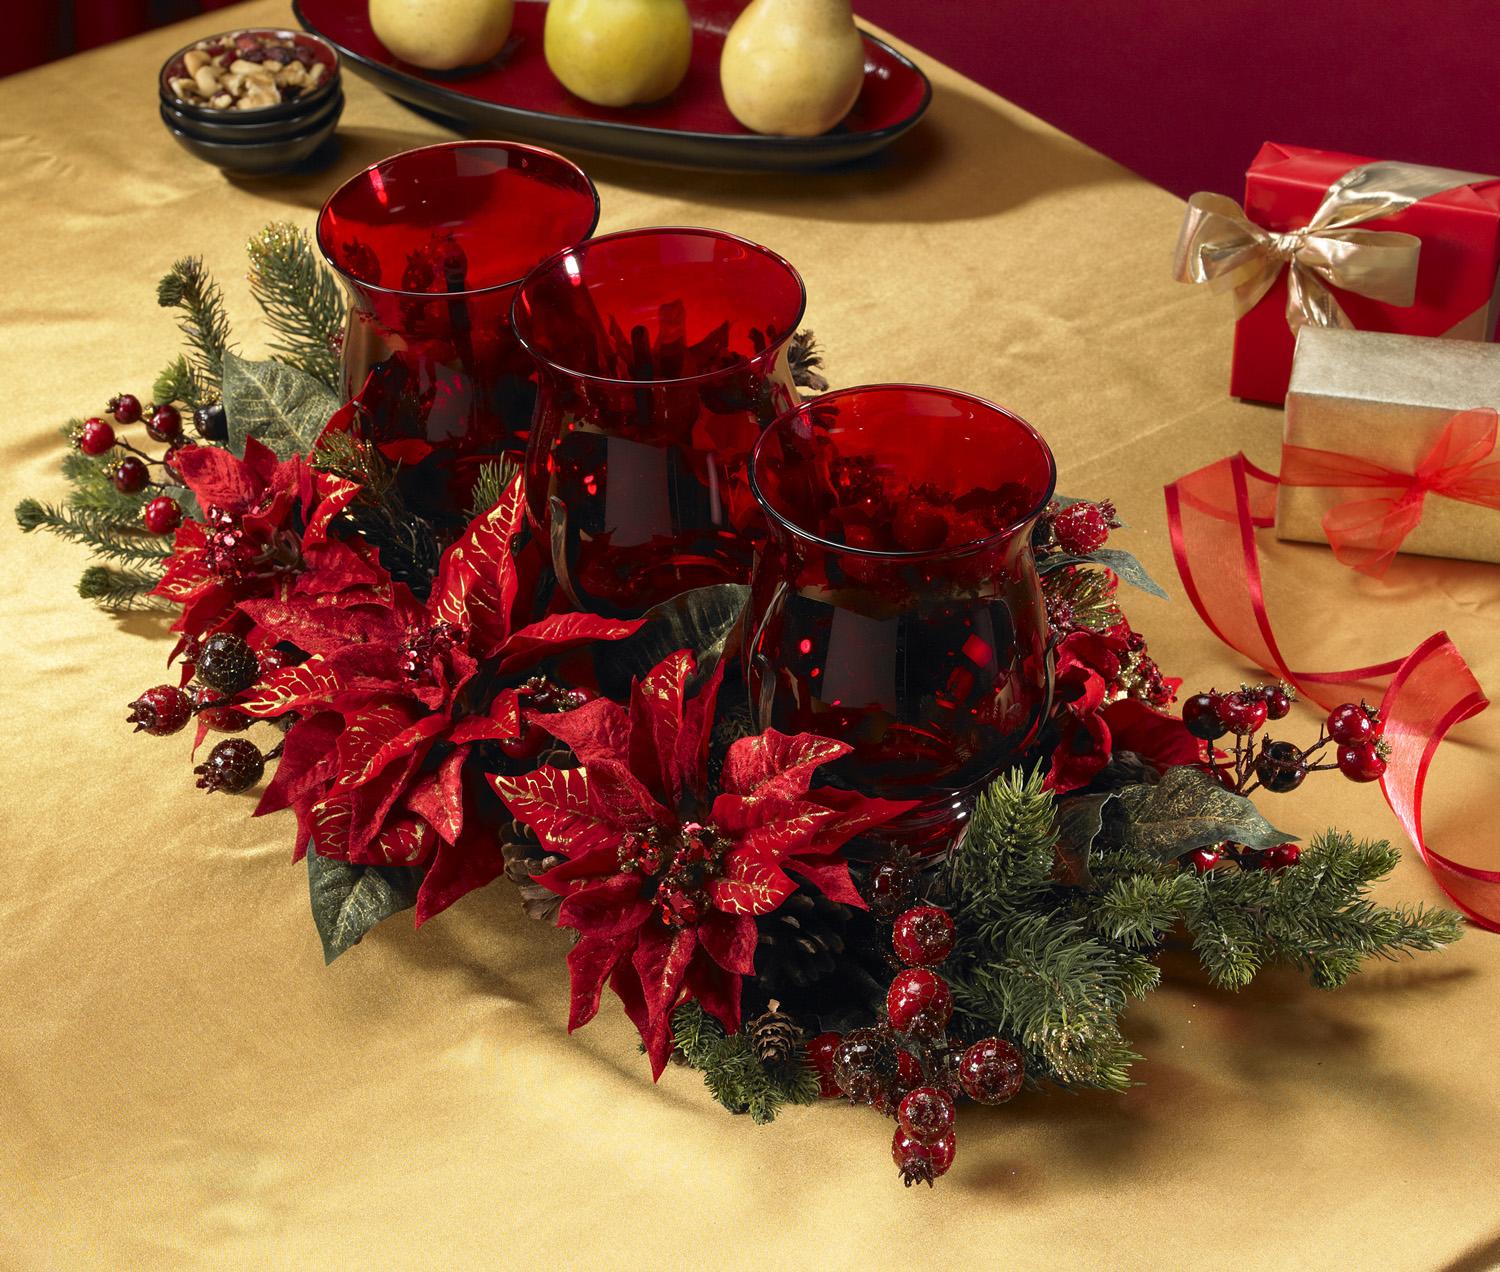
(1081, 528)
(919, 1002)
(1278, 701)
(234, 765)
(864, 1064)
(925, 1114)
(130, 476)
(1280, 857)
(1352, 725)
(992, 1071)
(125, 407)
(923, 936)
(1204, 859)
(164, 424)
(1362, 762)
(214, 711)
(162, 515)
(1242, 712)
(922, 1163)
(1200, 714)
(96, 436)
(160, 711)
(908, 1072)
(820, 1056)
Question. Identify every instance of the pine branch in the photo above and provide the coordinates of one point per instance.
(178, 383)
(115, 589)
(491, 484)
(103, 533)
(203, 321)
(1008, 851)
(301, 300)
(733, 1072)
(93, 491)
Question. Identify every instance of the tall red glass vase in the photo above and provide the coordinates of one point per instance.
(662, 356)
(896, 604)
(430, 245)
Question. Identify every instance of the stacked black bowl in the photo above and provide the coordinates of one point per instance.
(266, 116)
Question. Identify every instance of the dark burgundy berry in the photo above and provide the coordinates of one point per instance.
(864, 1064)
(1281, 767)
(890, 885)
(96, 436)
(820, 1056)
(125, 407)
(130, 476)
(234, 765)
(923, 936)
(1278, 701)
(925, 1114)
(992, 1071)
(908, 1072)
(228, 664)
(211, 423)
(215, 712)
(1200, 714)
(1280, 857)
(165, 423)
(919, 1002)
(1362, 762)
(1242, 712)
(160, 711)
(162, 515)
(922, 1163)
(1204, 859)
(1351, 725)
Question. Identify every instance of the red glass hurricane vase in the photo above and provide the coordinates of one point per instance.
(430, 245)
(662, 356)
(896, 604)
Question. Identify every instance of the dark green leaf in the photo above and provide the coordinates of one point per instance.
(1189, 809)
(1117, 559)
(347, 901)
(277, 404)
(1078, 820)
(705, 620)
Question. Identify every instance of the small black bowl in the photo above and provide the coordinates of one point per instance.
(276, 155)
(313, 46)
(230, 129)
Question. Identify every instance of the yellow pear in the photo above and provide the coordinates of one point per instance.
(792, 67)
(441, 35)
(618, 52)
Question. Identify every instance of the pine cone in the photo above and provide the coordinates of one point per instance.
(775, 1037)
(525, 857)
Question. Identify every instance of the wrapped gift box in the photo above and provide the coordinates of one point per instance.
(1386, 399)
(1457, 273)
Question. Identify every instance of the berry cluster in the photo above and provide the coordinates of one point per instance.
(129, 467)
(224, 666)
(1352, 730)
(908, 1066)
(1082, 528)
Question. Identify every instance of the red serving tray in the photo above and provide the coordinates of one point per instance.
(517, 96)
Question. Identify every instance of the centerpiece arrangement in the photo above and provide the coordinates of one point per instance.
(816, 715)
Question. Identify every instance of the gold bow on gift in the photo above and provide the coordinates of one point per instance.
(1221, 246)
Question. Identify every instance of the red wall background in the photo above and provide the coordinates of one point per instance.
(1181, 91)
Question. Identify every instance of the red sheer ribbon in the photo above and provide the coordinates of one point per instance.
(1213, 515)
(1367, 533)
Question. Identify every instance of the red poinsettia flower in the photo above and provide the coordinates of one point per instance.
(394, 697)
(1093, 727)
(265, 532)
(663, 881)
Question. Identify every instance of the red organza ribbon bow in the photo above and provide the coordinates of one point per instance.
(1367, 533)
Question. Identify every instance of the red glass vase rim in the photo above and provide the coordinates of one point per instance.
(509, 147)
(768, 354)
(778, 518)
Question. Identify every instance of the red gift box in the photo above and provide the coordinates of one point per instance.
(1457, 268)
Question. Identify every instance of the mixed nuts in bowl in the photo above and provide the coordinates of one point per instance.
(265, 72)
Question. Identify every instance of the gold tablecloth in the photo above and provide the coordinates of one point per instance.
(183, 1083)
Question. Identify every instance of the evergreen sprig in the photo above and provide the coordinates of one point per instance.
(204, 324)
(1053, 965)
(301, 300)
(733, 1072)
(102, 532)
(115, 589)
